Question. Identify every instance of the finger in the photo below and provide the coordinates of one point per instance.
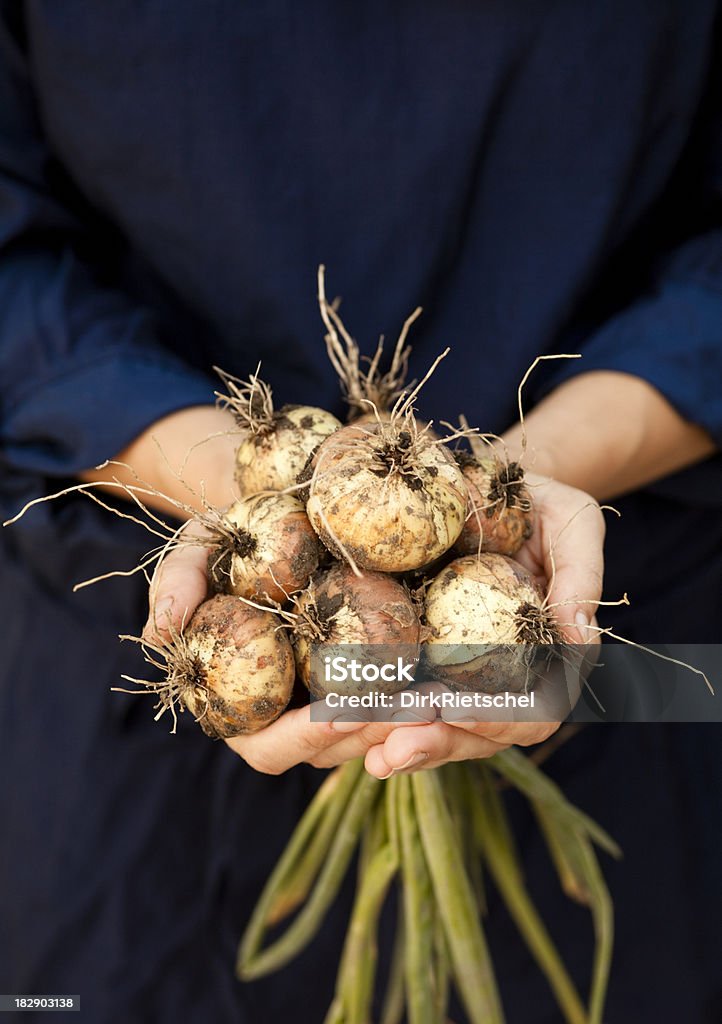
(426, 746)
(573, 528)
(290, 740)
(401, 712)
(294, 739)
(179, 585)
(520, 734)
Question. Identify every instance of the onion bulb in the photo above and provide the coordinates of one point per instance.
(275, 446)
(486, 615)
(499, 517)
(232, 666)
(374, 613)
(270, 550)
(386, 496)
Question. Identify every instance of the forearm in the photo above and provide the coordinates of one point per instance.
(196, 444)
(608, 433)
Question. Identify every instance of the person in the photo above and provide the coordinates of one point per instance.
(545, 180)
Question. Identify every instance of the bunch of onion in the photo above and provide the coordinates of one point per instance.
(275, 446)
(385, 495)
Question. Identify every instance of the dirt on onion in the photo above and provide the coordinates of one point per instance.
(275, 446)
(371, 616)
(271, 551)
(386, 496)
(486, 618)
(499, 517)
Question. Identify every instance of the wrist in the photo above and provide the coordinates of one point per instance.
(607, 433)
(188, 456)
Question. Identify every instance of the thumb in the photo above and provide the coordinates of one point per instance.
(179, 585)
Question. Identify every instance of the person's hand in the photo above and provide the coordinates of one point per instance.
(565, 553)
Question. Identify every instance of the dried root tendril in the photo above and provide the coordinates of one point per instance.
(525, 378)
(369, 389)
(507, 487)
(307, 620)
(182, 671)
(535, 625)
(222, 537)
(250, 401)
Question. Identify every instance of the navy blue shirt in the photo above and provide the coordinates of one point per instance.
(540, 177)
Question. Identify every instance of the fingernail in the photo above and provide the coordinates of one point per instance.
(162, 608)
(581, 620)
(409, 717)
(413, 761)
(348, 724)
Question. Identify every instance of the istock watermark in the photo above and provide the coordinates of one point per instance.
(517, 682)
(342, 670)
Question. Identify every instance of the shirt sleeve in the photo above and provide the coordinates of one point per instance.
(82, 370)
(670, 337)
(670, 332)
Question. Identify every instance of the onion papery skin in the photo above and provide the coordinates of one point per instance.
(383, 519)
(371, 617)
(282, 549)
(244, 667)
(271, 458)
(476, 611)
(494, 522)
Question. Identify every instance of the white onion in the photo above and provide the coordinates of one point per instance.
(486, 616)
(275, 446)
(232, 666)
(372, 613)
(499, 517)
(272, 459)
(245, 667)
(386, 496)
(270, 552)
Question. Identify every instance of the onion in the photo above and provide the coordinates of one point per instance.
(386, 496)
(276, 445)
(231, 666)
(486, 616)
(499, 518)
(373, 612)
(270, 552)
